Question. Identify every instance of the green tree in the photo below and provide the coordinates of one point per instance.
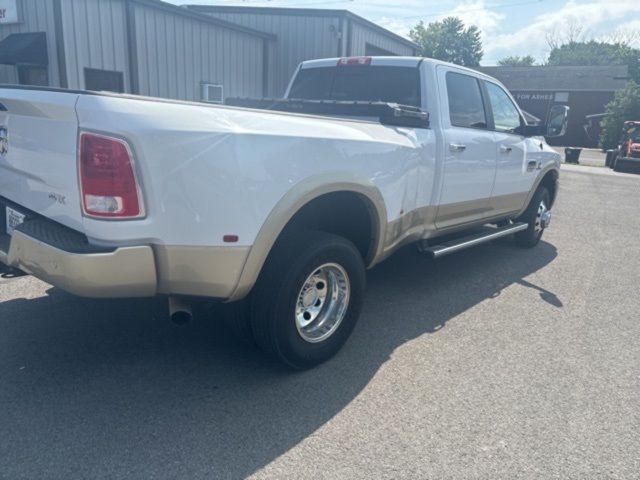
(517, 61)
(625, 106)
(450, 41)
(597, 53)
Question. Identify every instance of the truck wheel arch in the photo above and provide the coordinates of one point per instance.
(292, 203)
(548, 177)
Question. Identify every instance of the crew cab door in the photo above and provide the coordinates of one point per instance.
(518, 157)
(469, 154)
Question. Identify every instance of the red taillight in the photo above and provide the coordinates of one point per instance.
(354, 62)
(107, 180)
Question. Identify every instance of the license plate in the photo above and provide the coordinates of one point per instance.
(14, 218)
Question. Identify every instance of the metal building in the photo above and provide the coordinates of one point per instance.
(304, 34)
(150, 47)
(138, 46)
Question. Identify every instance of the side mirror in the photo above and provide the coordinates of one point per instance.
(558, 120)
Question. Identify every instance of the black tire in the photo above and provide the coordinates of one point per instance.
(614, 161)
(531, 237)
(625, 165)
(236, 316)
(275, 296)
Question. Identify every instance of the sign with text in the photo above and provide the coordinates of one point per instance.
(8, 11)
(558, 97)
(534, 96)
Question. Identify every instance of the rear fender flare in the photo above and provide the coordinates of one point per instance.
(292, 202)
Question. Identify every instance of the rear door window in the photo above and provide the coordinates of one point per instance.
(359, 83)
(466, 108)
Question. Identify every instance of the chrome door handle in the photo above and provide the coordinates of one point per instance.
(505, 149)
(456, 147)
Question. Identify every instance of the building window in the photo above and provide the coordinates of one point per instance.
(33, 75)
(103, 80)
(212, 93)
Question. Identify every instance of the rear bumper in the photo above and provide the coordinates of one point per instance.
(122, 272)
(65, 258)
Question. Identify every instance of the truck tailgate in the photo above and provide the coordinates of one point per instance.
(38, 166)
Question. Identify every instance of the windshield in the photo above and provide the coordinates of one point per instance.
(369, 84)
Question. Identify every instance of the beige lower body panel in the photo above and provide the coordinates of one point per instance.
(137, 271)
(199, 271)
(508, 203)
(453, 214)
(421, 222)
(125, 272)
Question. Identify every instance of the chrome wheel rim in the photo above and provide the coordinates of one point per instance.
(322, 302)
(543, 217)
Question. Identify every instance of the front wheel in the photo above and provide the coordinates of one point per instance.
(308, 298)
(538, 216)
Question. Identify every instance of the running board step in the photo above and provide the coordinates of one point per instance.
(486, 235)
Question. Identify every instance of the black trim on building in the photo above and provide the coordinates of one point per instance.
(132, 47)
(265, 68)
(60, 53)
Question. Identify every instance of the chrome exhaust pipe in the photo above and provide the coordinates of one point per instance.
(179, 311)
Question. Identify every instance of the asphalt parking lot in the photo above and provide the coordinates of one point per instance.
(493, 363)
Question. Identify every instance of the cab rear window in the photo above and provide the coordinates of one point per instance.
(359, 83)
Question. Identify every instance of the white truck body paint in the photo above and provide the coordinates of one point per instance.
(207, 171)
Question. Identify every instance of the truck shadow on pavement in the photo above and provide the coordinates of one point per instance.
(94, 389)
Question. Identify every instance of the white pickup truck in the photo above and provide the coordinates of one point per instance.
(107, 195)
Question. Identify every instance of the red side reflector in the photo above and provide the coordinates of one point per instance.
(230, 238)
(108, 183)
(354, 62)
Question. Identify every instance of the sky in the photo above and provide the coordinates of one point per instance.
(509, 27)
